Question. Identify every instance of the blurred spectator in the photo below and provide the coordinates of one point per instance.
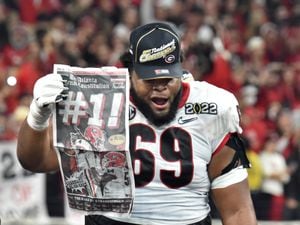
(291, 36)
(255, 172)
(276, 174)
(212, 9)
(255, 59)
(97, 52)
(270, 82)
(254, 126)
(286, 129)
(292, 197)
(59, 27)
(177, 12)
(86, 28)
(209, 61)
(292, 203)
(275, 46)
(120, 33)
(3, 26)
(108, 13)
(193, 20)
(79, 9)
(289, 81)
(255, 177)
(29, 70)
(151, 11)
(8, 127)
(256, 16)
(17, 48)
(21, 111)
(47, 50)
(70, 52)
(129, 20)
(31, 10)
(8, 93)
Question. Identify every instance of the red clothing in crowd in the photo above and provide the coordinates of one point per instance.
(221, 75)
(31, 9)
(27, 76)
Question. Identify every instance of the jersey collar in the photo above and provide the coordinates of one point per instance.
(184, 95)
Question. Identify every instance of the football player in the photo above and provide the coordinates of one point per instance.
(184, 139)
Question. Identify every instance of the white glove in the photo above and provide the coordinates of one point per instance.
(47, 91)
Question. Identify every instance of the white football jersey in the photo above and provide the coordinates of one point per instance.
(170, 162)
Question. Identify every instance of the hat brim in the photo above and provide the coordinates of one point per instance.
(148, 72)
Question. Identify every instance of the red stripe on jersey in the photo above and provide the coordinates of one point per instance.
(224, 141)
(185, 94)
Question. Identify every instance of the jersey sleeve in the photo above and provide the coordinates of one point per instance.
(233, 115)
(227, 121)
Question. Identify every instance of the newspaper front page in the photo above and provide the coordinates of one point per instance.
(92, 140)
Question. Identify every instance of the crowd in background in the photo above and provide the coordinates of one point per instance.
(249, 47)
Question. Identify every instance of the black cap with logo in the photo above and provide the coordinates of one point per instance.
(155, 48)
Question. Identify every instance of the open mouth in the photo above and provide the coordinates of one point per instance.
(159, 102)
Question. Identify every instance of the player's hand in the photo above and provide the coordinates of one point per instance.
(47, 91)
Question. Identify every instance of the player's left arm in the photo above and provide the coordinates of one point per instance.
(229, 190)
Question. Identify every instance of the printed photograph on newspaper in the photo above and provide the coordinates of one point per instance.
(91, 138)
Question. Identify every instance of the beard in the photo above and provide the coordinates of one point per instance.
(146, 110)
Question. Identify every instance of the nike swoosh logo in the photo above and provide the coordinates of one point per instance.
(183, 121)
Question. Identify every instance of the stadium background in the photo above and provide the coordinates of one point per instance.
(251, 48)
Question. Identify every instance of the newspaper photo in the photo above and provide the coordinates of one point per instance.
(91, 139)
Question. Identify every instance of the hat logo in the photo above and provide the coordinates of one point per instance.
(170, 59)
(157, 53)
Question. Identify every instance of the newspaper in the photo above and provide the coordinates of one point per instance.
(92, 140)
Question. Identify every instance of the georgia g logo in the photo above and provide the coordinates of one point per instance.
(170, 59)
(132, 112)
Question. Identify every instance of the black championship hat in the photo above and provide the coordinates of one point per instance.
(155, 49)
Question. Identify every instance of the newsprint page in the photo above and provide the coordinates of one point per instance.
(92, 140)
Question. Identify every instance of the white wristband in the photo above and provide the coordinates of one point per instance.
(38, 118)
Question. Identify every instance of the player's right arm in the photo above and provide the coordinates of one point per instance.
(35, 150)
